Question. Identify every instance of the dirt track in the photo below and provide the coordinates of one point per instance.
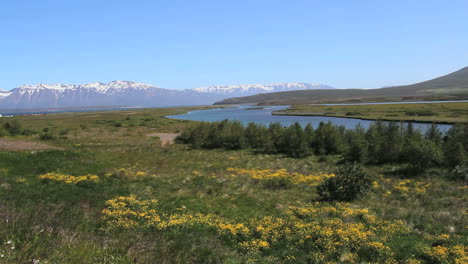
(9, 144)
(166, 138)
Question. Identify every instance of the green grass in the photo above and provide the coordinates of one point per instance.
(62, 223)
(421, 112)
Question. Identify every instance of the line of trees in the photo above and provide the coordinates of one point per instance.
(382, 142)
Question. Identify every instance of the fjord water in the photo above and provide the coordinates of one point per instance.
(245, 114)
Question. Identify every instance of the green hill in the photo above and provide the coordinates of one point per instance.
(453, 86)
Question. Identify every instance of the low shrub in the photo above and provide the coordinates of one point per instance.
(420, 112)
(350, 182)
(460, 173)
(46, 136)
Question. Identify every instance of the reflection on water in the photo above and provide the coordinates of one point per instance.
(263, 116)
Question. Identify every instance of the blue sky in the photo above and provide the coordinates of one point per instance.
(187, 44)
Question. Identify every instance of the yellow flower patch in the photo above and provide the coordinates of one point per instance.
(130, 173)
(405, 187)
(68, 178)
(295, 178)
(20, 180)
(448, 254)
(327, 229)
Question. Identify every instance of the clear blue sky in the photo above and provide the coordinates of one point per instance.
(187, 44)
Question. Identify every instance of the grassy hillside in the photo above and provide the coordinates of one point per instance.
(113, 194)
(433, 112)
(453, 86)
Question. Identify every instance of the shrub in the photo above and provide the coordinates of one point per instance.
(47, 136)
(357, 145)
(353, 113)
(350, 182)
(454, 154)
(28, 132)
(420, 112)
(64, 132)
(13, 128)
(460, 172)
(423, 154)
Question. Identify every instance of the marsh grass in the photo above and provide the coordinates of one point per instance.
(419, 112)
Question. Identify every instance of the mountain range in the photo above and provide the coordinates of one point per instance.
(453, 86)
(127, 93)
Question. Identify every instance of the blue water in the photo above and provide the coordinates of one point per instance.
(264, 117)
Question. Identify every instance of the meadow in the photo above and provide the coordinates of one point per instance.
(113, 194)
(417, 112)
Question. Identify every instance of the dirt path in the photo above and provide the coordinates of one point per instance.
(166, 138)
(10, 144)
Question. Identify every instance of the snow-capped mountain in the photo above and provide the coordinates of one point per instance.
(126, 93)
(4, 94)
(251, 89)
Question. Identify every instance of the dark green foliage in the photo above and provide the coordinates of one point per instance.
(382, 142)
(423, 154)
(293, 142)
(386, 141)
(13, 128)
(460, 173)
(350, 182)
(47, 136)
(228, 135)
(434, 134)
(357, 145)
(64, 132)
(455, 154)
(456, 146)
(392, 143)
(256, 135)
(275, 131)
(328, 139)
(352, 113)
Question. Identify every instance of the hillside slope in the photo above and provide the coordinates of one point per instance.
(451, 86)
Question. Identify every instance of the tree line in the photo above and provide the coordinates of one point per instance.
(382, 142)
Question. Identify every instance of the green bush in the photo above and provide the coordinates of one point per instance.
(46, 136)
(460, 173)
(350, 182)
(423, 154)
(454, 154)
(13, 127)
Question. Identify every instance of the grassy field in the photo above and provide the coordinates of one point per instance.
(115, 195)
(420, 112)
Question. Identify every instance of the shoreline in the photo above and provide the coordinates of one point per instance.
(279, 113)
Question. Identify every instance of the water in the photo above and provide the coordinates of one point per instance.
(263, 116)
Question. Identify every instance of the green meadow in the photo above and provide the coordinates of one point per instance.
(111, 193)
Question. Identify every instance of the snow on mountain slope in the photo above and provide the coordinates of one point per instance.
(251, 89)
(127, 93)
(4, 94)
